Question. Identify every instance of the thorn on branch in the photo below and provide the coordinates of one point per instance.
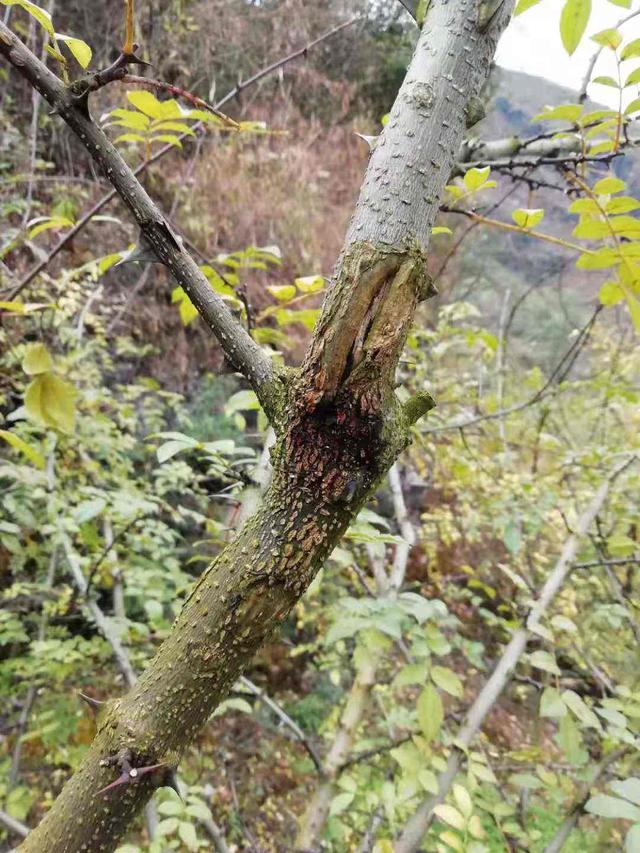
(129, 774)
(94, 704)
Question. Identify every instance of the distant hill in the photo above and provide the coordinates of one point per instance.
(559, 298)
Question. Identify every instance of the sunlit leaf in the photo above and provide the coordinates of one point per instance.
(80, 49)
(573, 22)
(37, 359)
(22, 447)
(50, 401)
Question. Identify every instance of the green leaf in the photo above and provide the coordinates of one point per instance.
(241, 401)
(608, 38)
(199, 810)
(545, 661)
(47, 223)
(463, 800)
(188, 311)
(340, 803)
(631, 50)
(523, 5)
(429, 781)
(171, 807)
(551, 704)
(25, 307)
(50, 401)
(88, 510)
(235, 704)
(526, 218)
(187, 833)
(168, 826)
(430, 712)
(412, 673)
(633, 78)
(37, 360)
(605, 806)
(511, 537)
(570, 741)
(634, 309)
(41, 15)
(283, 292)
(476, 178)
(81, 51)
(130, 137)
(447, 680)
(147, 103)
(22, 447)
(628, 788)
(573, 22)
(605, 81)
(609, 186)
(310, 283)
(611, 293)
(565, 112)
(579, 707)
(450, 815)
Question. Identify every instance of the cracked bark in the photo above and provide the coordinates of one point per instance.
(338, 421)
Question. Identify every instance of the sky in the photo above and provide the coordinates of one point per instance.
(532, 44)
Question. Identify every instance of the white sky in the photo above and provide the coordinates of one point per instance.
(532, 44)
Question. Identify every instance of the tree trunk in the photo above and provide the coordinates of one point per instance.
(340, 425)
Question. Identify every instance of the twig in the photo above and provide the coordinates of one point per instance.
(102, 202)
(269, 69)
(286, 719)
(13, 825)
(155, 234)
(568, 824)
(418, 824)
(102, 623)
(582, 96)
(558, 375)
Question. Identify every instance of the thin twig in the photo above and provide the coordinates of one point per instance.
(285, 718)
(161, 152)
(418, 825)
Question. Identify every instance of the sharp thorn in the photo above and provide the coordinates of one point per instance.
(94, 704)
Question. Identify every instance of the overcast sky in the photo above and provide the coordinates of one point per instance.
(532, 44)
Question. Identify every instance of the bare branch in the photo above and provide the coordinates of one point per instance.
(568, 824)
(240, 349)
(160, 153)
(285, 718)
(417, 826)
(13, 825)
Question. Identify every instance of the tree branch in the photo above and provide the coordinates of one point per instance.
(415, 829)
(161, 152)
(240, 349)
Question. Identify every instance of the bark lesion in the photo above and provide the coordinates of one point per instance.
(364, 326)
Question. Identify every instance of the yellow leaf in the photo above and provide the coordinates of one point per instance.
(41, 15)
(20, 445)
(450, 815)
(283, 292)
(37, 360)
(80, 49)
(50, 401)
